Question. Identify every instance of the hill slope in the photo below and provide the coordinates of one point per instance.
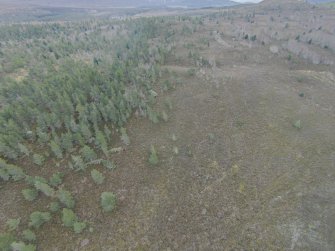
(126, 3)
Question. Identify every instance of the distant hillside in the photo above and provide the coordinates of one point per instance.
(124, 3)
(320, 1)
(329, 4)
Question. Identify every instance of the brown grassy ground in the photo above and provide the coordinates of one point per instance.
(244, 179)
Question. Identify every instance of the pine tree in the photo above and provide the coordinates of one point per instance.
(44, 188)
(68, 217)
(88, 153)
(108, 201)
(57, 151)
(65, 198)
(97, 176)
(100, 141)
(37, 219)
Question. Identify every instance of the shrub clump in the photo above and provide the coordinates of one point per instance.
(37, 219)
(29, 235)
(13, 224)
(20, 246)
(38, 159)
(97, 176)
(68, 217)
(44, 188)
(66, 198)
(54, 206)
(79, 227)
(5, 241)
(153, 158)
(29, 194)
(56, 179)
(108, 201)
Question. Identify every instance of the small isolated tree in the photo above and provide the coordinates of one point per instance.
(78, 162)
(13, 224)
(56, 179)
(20, 246)
(29, 235)
(29, 194)
(97, 176)
(88, 154)
(54, 206)
(66, 198)
(108, 201)
(153, 158)
(297, 124)
(31, 180)
(15, 172)
(164, 116)
(44, 188)
(6, 240)
(79, 227)
(68, 217)
(37, 219)
(124, 136)
(108, 164)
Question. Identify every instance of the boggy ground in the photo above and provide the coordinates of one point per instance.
(245, 178)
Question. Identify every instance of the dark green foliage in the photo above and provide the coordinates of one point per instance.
(108, 201)
(29, 194)
(153, 116)
(54, 206)
(5, 241)
(153, 158)
(65, 198)
(13, 224)
(65, 103)
(38, 159)
(67, 142)
(297, 124)
(9, 171)
(97, 176)
(23, 149)
(4, 175)
(37, 218)
(100, 141)
(20, 246)
(78, 163)
(88, 154)
(108, 164)
(124, 136)
(15, 172)
(56, 179)
(78, 227)
(68, 217)
(32, 180)
(44, 188)
(29, 235)
(57, 151)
